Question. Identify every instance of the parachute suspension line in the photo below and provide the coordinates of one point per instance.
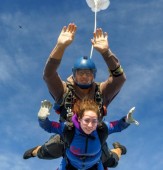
(95, 26)
(96, 6)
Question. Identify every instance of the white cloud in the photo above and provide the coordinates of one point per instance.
(6, 66)
(12, 161)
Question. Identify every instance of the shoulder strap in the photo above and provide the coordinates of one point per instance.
(65, 105)
(99, 100)
(103, 132)
(68, 135)
(98, 95)
(69, 97)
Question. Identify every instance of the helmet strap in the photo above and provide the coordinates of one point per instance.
(84, 86)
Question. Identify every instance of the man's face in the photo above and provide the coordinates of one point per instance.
(84, 76)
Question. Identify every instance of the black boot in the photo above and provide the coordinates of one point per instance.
(28, 153)
(118, 145)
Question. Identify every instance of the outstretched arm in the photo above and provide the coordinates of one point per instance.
(123, 123)
(116, 79)
(54, 83)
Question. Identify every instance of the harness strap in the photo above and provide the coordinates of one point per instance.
(103, 132)
(99, 100)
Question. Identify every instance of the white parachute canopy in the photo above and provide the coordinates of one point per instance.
(96, 6)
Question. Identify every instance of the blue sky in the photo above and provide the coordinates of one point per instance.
(135, 36)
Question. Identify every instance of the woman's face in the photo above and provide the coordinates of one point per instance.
(88, 122)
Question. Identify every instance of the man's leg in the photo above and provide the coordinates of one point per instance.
(110, 158)
(53, 148)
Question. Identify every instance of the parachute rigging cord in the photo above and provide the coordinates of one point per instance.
(96, 6)
(95, 26)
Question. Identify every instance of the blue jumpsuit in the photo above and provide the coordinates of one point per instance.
(82, 145)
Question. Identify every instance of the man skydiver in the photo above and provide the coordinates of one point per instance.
(83, 85)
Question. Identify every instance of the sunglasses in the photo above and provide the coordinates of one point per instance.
(86, 72)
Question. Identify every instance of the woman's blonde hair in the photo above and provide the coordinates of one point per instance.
(86, 105)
